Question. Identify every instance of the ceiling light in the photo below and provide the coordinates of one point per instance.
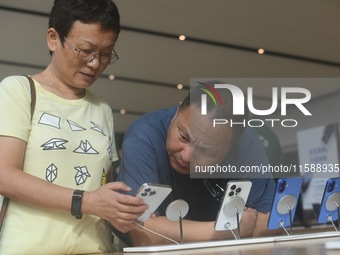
(111, 77)
(122, 111)
(180, 86)
(181, 37)
(260, 51)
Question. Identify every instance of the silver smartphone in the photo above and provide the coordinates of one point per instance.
(153, 195)
(234, 200)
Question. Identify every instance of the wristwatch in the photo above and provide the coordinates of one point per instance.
(77, 198)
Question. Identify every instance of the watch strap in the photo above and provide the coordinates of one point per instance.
(77, 199)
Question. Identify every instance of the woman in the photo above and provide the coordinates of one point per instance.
(52, 167)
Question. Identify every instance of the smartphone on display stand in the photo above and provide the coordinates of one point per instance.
(233, 203)
(153, 195)
(285, 202)
(330, 201)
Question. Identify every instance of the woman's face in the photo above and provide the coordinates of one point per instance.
(67, 66)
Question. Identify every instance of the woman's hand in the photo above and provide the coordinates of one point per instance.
(119, 209)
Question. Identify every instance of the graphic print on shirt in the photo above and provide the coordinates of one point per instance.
(109, 150)
(51, 173)
(81, 174)
(97, 128)
(49, 120)
(54, 144)
(85, 147)
(74, 126)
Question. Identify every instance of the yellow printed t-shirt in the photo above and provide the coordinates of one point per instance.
(70, 143)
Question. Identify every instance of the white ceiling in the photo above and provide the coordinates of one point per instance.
(302, 39)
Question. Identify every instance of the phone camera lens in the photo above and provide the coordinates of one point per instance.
(282, 186)
(152, 193)
(147, 190)
(231, 193)
(144, 194)
(238, 190)
(331, 186)
(233, 187)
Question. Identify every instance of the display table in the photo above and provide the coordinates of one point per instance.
(319, 243)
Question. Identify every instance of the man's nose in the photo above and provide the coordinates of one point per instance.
(185, 153)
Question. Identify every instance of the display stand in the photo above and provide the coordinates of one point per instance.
(332, 204)
(177, 210)
(286, 206)
(229, 216)
(238, 223)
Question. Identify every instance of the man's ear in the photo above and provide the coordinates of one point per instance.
(52, 39)
(178, 108)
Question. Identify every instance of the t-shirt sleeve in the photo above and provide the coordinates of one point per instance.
(139, 163)
(15, 107)
(262, 194)
(249, 156)
(252, 153)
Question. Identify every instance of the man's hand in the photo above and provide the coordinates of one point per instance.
(248, 222)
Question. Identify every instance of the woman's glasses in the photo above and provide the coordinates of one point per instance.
(89, 55)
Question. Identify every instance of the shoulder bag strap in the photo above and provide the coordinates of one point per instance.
(33, 95)
(3, 211)
(33, 99)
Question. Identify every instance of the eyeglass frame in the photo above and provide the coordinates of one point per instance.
(114, 55)
(219, 196)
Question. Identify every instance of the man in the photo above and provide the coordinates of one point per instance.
(164, 146)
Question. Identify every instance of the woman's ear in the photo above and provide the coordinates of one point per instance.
(52, 39)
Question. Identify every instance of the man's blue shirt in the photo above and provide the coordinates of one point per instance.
(145, 160)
